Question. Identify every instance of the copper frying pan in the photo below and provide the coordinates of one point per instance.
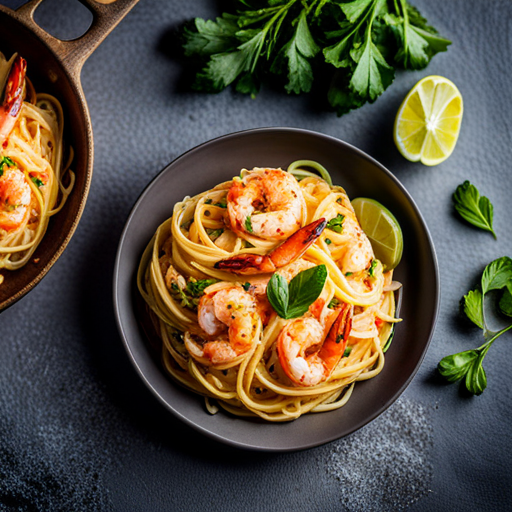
(54, 66)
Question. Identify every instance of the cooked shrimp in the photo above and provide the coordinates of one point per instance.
(230, 317)
(267, 203)
(306, 355)
(13, 97)
(350, 246)
(15, 198)
(286, 253)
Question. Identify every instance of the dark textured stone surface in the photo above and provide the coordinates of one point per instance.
(79, 431)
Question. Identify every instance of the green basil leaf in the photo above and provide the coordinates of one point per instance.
(305, 288)
(473, 307)
(278, 294)
(454, 367)
(497, 274)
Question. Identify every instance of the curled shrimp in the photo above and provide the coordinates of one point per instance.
(286, 253)
(350, 248)
(229, 319)
(13, 97)
(267, 203)
(305, 356)
(15, 197)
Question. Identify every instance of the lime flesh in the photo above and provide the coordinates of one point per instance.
(382, 229)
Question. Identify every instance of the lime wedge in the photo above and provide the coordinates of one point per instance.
(382, 229)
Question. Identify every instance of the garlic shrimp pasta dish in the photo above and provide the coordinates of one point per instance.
(31, 164)
(267, 296)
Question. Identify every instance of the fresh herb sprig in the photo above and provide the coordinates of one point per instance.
(361, 42)
(474, 208)
(291, 300)
(468, 364)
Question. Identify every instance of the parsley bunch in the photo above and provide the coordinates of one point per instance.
(468, 364)
(361, 42)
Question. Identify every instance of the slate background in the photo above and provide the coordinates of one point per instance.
(79, 431)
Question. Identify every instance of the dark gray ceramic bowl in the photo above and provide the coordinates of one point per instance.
(213, 162)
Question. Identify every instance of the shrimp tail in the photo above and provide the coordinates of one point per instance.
(13, 97)
(335, 342)
(247, 264)
(292, 249)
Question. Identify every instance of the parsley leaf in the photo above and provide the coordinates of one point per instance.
(506, 300)
(497, 274)
(293, 300)
(473, 307)
(469, 364)
(296, 53)
(360, 42)
(418, 42)
(472, 207)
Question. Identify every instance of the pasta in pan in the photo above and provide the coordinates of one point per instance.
(32, 166)
(267, 296)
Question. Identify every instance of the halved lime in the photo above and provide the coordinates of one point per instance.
(383, 230)
(427, 124)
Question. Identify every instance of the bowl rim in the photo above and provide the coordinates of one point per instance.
(133, 358)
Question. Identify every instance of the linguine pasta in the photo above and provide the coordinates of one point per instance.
(179, 270)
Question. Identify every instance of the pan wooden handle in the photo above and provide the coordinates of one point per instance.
(106, 15)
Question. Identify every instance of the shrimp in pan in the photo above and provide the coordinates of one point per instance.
(229, 319)
(286, 253)
(267, 203)
(307, 356)
(12, 97)
(15, 197)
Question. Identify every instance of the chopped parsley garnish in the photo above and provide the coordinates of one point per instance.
(190, 295)
(336, 224)
(328, 241)
(222, 203)
(246, 286)
(347, 274)
(186, 225)
(248, 224)
(208, 201)
(196, 287)
(214, 233)
(37, 181)
(347, 351)
(6, 161)
(371, 270)
(334, 302)
(339, 338)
